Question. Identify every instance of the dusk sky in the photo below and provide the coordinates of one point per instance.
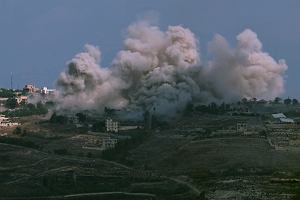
(37, 37)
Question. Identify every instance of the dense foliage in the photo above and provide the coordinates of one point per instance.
(19, 142)
(11, 103)
(27, 110)
(212, 108)
(5, 93)
(58, 119)
(98, 126)
(119, 153)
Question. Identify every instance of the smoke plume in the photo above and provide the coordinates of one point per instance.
(162, 70)
(245, 71)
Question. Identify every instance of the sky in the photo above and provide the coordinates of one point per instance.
(38, 38)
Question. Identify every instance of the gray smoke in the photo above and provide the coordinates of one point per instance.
(86, 85)
(163, 70)
(245, 71)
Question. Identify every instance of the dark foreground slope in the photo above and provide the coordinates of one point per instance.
(183, 161)
(27, 173)
(224, 168)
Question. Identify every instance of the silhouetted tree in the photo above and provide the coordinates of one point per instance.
(189, 108)
(98, 126)
(244, 100)
(24, 132)
(58, 119)
(254, 99)
(5, 93)
(18, 131)
(31, 106)
(81, 117)
(277, 100)
(295, 101)
(109, 111)
(287, 101)
(41, 109)
(213, 106)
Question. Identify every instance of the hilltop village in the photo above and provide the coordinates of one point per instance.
(249, 149)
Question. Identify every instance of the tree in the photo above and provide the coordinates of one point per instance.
(98, 126)
(222, 107)
(277, 100)
(5, 93)
(295, 102)
(30, 106)
(244, 100)
(49, 104)
(254, 99)
(201, 108)
(227, 107)
(59, 119)
(213, 107)
(17, 131)
(81, 117)
(287, 101)
(109, 111)
(41, 109)
(11, 103)
(189, 108)
(24, 132)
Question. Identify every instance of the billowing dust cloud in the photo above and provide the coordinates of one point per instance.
(163, 70)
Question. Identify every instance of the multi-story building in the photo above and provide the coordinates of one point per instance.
(109, 143)
(22, 99)
(47, 91)
(30, 89)
(112, 126)
(241, 127)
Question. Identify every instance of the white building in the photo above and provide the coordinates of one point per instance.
(3, 100)
(127, 128)
(278, 115)
(112, 126)
(3, 119)
(109, 143)
(282, 118)
(286, 120)
(2, 104)
(29, 88)
(47, 91)
(241, 127)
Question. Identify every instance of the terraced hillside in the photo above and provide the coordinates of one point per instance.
(27, 173)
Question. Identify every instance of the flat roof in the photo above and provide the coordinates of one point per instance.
(286, 120)
(278, 115)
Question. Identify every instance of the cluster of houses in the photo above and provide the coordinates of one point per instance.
(114, 126)
(31, 89)
(5, 122)
(92, 142)
(109, 142)
(20, 99)
(28, 90)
